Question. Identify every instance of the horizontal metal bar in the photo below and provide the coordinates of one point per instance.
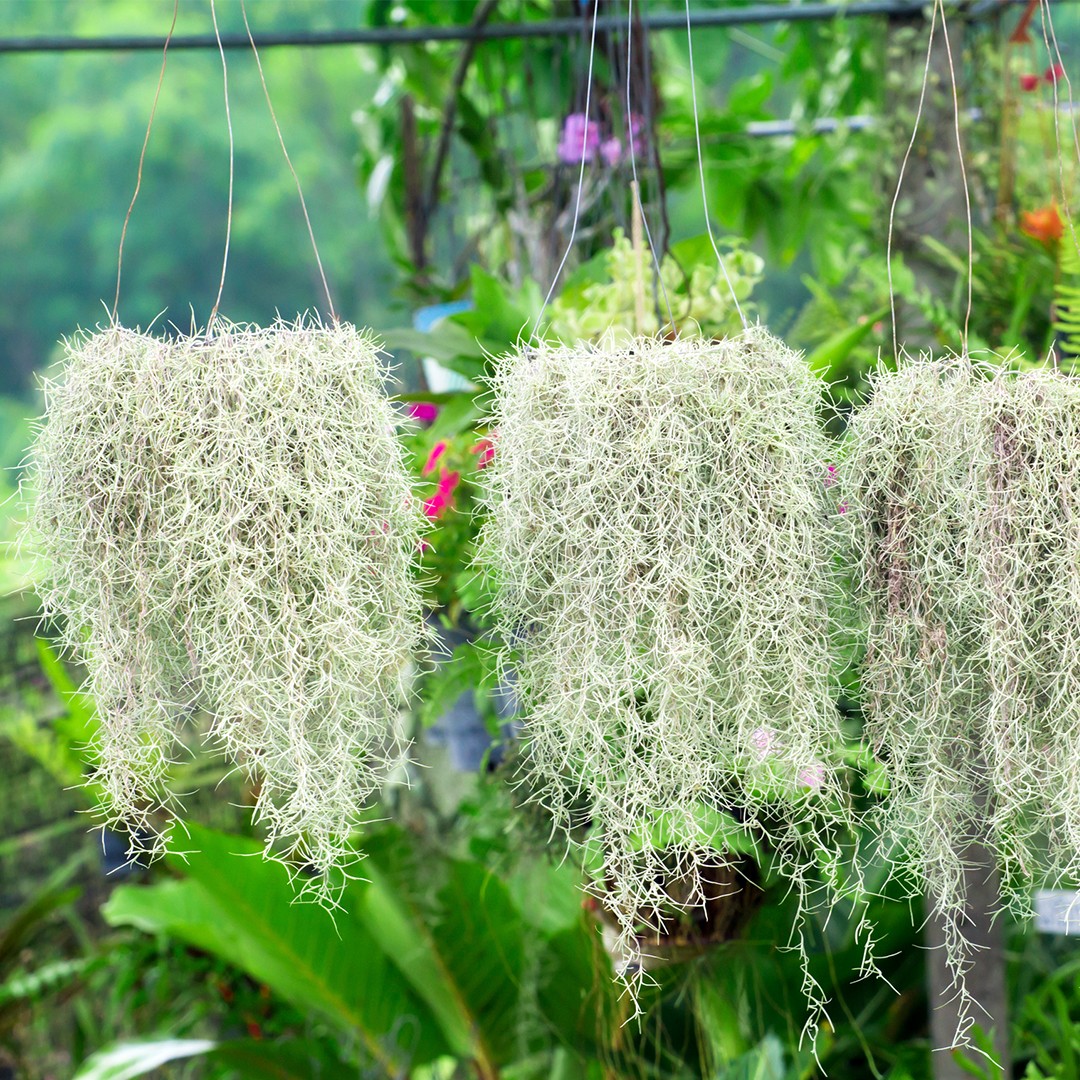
(417, 35)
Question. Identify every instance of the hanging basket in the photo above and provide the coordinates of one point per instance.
(661, 541)
(227, 526)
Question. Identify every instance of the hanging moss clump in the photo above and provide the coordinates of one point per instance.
(1031, 572)
(661, 542)
(226, 526)
(915, 478)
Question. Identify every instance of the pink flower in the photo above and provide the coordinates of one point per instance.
(812, 776)
(843, 508)
(830, 476)
(635, 124)
(580, 137)
(443, 499)
(485, 447)
(611, 152)
(763, 740)
(424, 411)
(1029, 82)
(1053, 73)
(437, 452)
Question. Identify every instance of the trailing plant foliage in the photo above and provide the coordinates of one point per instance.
(661, 544)
(226, 524)
(913, 478)
(965, 503)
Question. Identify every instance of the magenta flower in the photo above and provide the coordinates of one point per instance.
(580, 137)
(843, 508)
(830, 476)
(611, 152)
(635, 126)
(443, 499)
(485, 447)
(424, 411)
(437, 452)
(812, 776)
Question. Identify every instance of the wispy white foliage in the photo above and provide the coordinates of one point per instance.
(915, 478)
(964, 486)
(662, 538)
(227, 525)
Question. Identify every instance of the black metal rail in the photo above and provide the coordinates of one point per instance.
(417, 35)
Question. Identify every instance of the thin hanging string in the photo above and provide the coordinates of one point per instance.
(963, 176)
(701, 170)
(288, 161)
(581, 174)
(636, 189)
(900, 182)
(142, 158)
(228, 219)
(1054, 54)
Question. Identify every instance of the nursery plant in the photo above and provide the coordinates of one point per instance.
(226, 525)
(661, 547)
(962, 506)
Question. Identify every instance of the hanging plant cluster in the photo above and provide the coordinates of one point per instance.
(965, 509)
(661, 546)
(227, 525)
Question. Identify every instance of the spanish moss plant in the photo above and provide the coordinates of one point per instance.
(661, 541)
(915, 478)
(226, 525)
(1031, 573)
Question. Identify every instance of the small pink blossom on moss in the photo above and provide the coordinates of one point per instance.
(843, 508)
(812, 776)
(763, 740)
(830, 476)
(437, 452)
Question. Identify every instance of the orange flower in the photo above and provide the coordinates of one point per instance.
(1044, 224)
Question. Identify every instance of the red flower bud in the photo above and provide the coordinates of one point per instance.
(1029, 82)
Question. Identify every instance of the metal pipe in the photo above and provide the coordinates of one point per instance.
(416, 35)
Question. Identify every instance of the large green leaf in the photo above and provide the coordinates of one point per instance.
(243, 1058)
(457, 936)
(244, 910)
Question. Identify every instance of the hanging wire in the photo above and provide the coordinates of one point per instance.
(581, 176)
(633, 164)
(963, 175)
(142, 159)
(701, 171)
(228, 219)
(1054, 54)
(288, 161)
(900, 180)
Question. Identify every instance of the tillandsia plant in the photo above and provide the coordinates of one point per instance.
(1030, 560)
(661, 539)
(914, 481)
(226, 525)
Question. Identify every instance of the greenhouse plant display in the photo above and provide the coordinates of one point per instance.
(226, 525)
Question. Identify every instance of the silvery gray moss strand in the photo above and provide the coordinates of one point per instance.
(662, 542)
(228, 525)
